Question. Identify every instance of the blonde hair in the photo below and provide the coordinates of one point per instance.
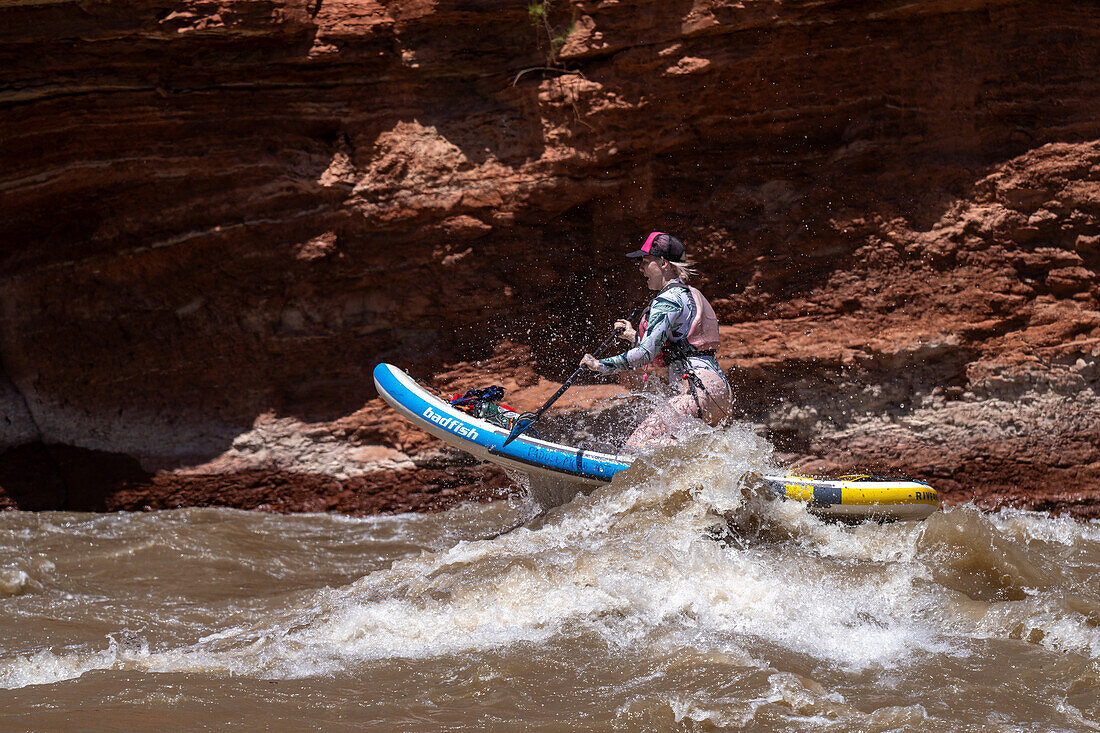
(685, 268)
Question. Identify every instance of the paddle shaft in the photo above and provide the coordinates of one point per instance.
(569, 382)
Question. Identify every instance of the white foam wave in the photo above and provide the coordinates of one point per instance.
(632, 564)
(13, 581)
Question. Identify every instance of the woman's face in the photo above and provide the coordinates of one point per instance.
(652, 270)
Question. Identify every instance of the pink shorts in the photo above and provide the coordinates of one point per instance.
(663, 425)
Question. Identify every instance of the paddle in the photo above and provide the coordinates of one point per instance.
(522, 423)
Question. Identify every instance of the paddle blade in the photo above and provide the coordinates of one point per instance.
(522, 423)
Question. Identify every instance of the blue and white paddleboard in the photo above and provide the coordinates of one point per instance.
(486, 441)
(854, 497)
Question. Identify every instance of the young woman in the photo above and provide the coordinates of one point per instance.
(679, 331)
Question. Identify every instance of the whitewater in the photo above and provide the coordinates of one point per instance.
(681, 596)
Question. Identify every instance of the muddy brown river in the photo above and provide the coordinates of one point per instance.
(616, 611)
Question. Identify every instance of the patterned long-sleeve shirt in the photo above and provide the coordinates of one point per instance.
(670, 317)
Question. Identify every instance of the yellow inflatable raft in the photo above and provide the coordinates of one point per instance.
(859, 497)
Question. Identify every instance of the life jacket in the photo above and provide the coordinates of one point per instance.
(702, 336)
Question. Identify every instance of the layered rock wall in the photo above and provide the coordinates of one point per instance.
(218, 216)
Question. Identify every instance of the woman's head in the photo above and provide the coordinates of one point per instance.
(662, 259)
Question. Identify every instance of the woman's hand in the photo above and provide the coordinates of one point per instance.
(624, 330)
(589, 362)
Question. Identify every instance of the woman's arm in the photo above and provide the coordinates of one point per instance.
(661, 314)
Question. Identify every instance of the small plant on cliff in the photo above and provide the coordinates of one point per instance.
(546, 34)
(551, 38)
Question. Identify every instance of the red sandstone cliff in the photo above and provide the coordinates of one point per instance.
(216, 217)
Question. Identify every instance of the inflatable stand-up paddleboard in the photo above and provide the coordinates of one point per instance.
(576, 469)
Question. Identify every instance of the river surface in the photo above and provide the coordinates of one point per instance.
(616, 611)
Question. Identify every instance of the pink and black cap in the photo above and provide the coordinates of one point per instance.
(659, 244)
